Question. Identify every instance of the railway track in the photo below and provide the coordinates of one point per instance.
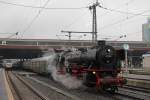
(126, 96)
(124, 93)
(134, 93)
(21, 89)
(16, 95)
(118, 96)
(75, 94)
(144, 90)
(51, 93)
(57, 94)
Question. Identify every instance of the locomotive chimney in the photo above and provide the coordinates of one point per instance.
(101, 42)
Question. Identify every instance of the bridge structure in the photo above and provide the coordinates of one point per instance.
(19, 52)
(33, 48)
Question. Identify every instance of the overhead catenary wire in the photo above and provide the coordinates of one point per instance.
(37, 15)
(76, 20)
(5, 33)
(10, 36)
(122, 20)
(121, 35)
(14, 34)
(29, 6)
(109, 9)
(122, 12)
(120, 6)
(38, 7)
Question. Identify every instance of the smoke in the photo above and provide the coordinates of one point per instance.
(67, 80)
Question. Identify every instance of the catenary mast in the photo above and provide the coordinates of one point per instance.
(94, 23)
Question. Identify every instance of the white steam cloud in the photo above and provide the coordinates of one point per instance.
(66, 79)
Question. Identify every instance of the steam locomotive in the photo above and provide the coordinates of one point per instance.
(98, 66)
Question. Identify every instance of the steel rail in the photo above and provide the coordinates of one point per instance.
(136, 95)
(72, 97)
(31, 88)
(137, 88)
(127, 96)
(38, 93)
(12, 85)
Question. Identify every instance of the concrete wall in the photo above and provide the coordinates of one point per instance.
(146, 61)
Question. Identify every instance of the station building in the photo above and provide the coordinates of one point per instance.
(146, 31)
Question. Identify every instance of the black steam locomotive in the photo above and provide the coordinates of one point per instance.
(98, 66)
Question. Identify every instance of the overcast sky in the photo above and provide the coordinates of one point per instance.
(50, 22)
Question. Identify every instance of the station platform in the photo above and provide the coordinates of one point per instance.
(4, 87)
(141, 71)
(142, 81)
(138, 77)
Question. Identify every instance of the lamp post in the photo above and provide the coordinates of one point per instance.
(126, 48)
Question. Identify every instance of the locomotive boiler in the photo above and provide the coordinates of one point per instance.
(98, 66)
